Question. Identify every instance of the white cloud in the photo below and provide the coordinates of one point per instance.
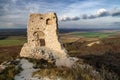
(99, 13)
(72, 18)
(15, 13)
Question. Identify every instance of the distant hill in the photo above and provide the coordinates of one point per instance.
(12, 32)
(17, 32)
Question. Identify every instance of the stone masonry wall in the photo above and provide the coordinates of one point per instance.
(42, 31)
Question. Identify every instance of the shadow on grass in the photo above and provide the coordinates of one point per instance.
(109, 61)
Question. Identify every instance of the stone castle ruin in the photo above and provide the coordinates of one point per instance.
(43, 41)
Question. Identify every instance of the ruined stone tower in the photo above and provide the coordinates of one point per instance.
(42, 37)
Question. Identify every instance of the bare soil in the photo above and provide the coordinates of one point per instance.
(7, 53)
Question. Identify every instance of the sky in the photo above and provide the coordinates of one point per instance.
(81, 14)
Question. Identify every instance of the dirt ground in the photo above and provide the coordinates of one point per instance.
(7, 53)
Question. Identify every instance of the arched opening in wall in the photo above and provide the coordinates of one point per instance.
(39, 38)
(49, 21)
(41, 34)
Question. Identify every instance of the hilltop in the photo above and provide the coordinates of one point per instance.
(103, 57)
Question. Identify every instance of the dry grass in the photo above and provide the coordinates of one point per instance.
(79, 71)
(10, 70)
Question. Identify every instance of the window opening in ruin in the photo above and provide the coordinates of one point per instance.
(42, 42)
(41, 17)
(49, 22)
(54, 17)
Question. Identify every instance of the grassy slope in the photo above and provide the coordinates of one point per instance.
(13, 41)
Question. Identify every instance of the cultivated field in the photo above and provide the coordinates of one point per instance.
(12, 41)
